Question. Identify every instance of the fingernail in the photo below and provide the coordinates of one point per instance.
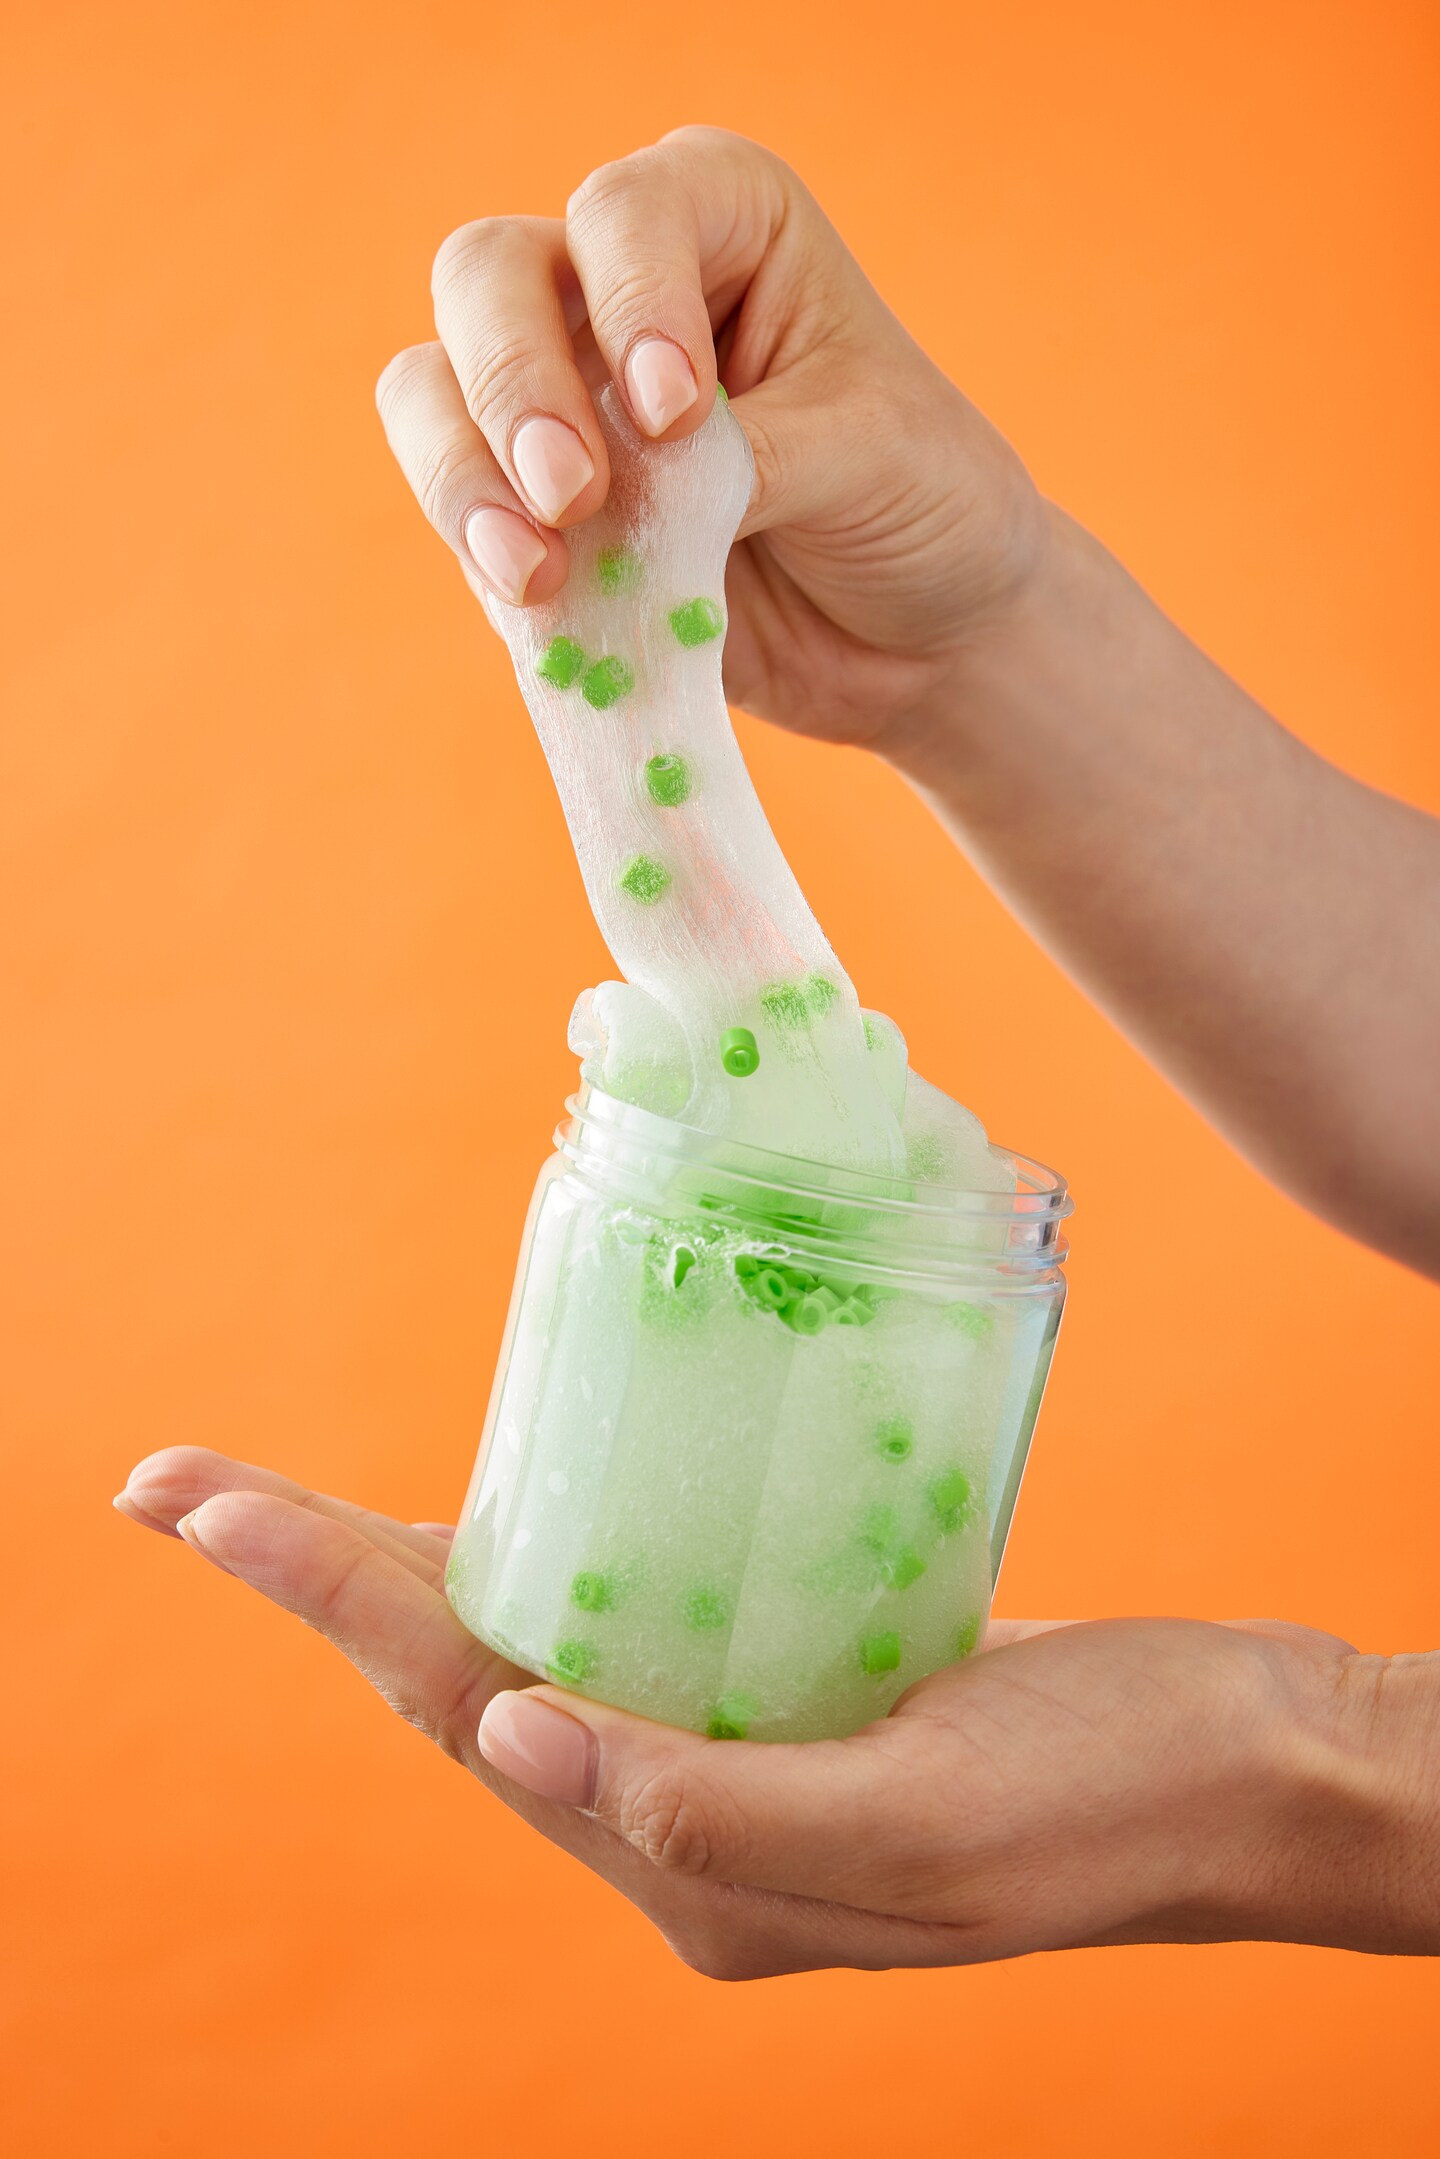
(124, 1504)
(539, 1747)
(552, 464)
(185, 1528)
(661, 383)
(505, 550)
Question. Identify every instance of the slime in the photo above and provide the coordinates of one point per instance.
(772, 1362)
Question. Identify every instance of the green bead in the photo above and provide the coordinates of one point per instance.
(667, 779)
(593, 1592)
(608, 680)
(572, 1663)
(894, 1439)
(731, 1716)
(880, 1653)
(645, 879)
(739, 1052)
(812, 1313)
(854, 1313)
(880, 1529)
(616, 570)
(967, 1634)
(820, 992)
(706, 1609)
(972, 1319)
(874, 1040)
(949, 1499)
(785, 1005)
(722, 394)
(695, 622)
(560, 662)
(902, 1568)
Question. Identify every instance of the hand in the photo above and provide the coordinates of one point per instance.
(889, 523)
(1120, 1781)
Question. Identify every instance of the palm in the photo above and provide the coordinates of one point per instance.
(1058, 1706)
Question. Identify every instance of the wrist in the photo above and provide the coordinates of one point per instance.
(1343, 1843)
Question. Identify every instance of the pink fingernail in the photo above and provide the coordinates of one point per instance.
(505, 550)
(540, 1747)
(552, 464)
(661, 383)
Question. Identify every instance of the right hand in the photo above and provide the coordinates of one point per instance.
(889, 525)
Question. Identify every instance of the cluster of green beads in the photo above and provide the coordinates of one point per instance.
(602, 682)
(805, 1302)
(791, 1005)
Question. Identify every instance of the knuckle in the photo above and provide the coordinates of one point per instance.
(608, 185)
(459, 251)
(499, 377)
(400, 375)
(666, 1818)
(440, 483)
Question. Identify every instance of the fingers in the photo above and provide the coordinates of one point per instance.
(392, 1625)
(458, 483)
(498, 288)
(169, 1485)
(812, 1821)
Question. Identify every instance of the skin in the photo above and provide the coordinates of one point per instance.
(1266, 929)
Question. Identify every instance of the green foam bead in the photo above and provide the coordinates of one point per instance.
(894, 1439)
(610, 679)
(949, 1499)
(572, 1663)
(616, 570)
(967, 1634)
(785, 1005)
(645, 879)
(667, 779)
(880, 1528)
(880, 1653)
(854, 1313)
(972, 1319)
(706, 1609)
(560, 662)
(810, 1314)
(739, 1052)
(820, 992)
(731, 1716)
(696, 622)
(722, 394)
(593, 1591)
(902, 1568)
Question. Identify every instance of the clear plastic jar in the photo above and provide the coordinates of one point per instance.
(757, 1428)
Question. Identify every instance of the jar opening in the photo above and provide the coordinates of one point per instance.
(816, 1204)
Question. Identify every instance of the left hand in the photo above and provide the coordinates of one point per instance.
(1073, 1785)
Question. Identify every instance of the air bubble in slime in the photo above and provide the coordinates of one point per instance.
(782, 1317)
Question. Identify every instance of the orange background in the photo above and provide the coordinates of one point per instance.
(292, 931)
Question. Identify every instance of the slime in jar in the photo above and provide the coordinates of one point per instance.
(782, 1317)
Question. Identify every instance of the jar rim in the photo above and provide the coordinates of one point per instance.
(1041, 1198)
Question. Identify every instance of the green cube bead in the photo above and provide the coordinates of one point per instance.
(616, 570)
(696, 622)
(731, 1717)
(880, 1653)
(561, 662)
(610, 679)
(967, 1634)
(902, 1568)
(645, 879)
(739, 1052)
(949, 1499)
(706, 1609)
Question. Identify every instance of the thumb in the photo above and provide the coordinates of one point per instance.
(817, 1820)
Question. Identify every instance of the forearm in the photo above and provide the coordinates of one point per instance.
(1265, 928)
